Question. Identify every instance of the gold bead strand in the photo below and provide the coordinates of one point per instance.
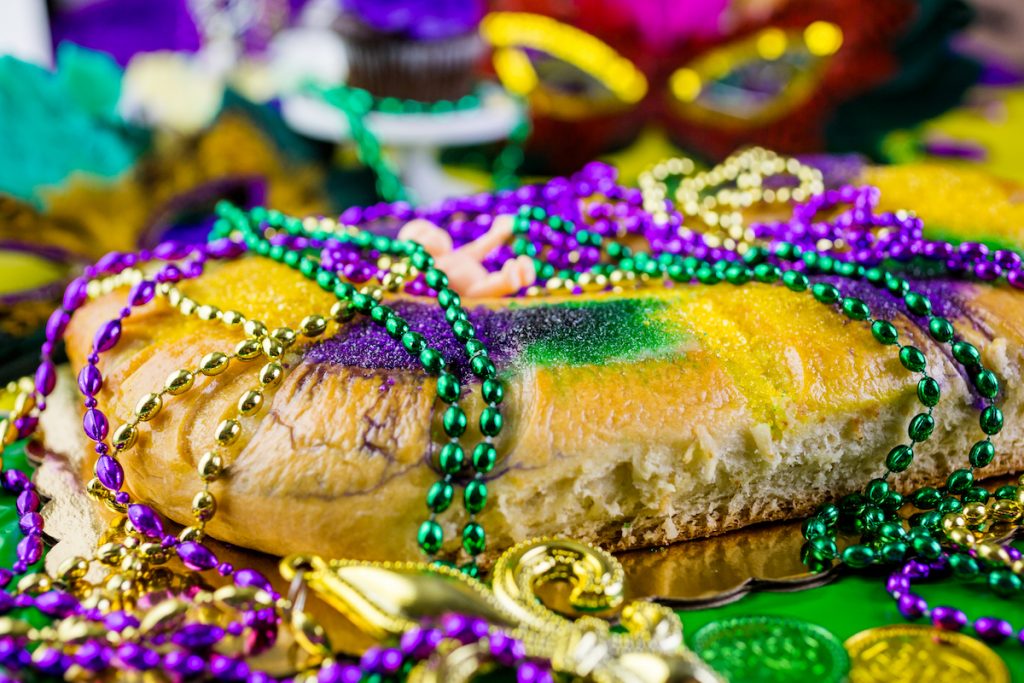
(211, 466)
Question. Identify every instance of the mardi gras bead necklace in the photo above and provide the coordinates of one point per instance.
(717, 196)
(928, 392)
(862, 235)
(110, 476)
(780, 264)
(452, 456)
(874, 513)
(356, 104)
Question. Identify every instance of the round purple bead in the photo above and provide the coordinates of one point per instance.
(948, 618)
(75, 294)
(46, 378)
(95, 424)
(56, 603)
(251, 577)
(912, 606)
(28, 501)
(56, 324)
(145, 519)
(371, 660)
(108, 336)
(993, 630)
(142, 293)
(110, 472)
(30, 548)
(390, 661)
(196, 556)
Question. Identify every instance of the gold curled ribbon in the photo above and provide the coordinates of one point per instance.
(386, 599)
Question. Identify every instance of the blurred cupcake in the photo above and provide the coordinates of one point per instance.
(412, 49)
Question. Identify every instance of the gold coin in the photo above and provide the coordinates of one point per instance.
(914, 654)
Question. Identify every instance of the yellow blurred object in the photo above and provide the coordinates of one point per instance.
(997, 125)
(955, 201)
(818, 41)
(511, 33)
(20, 271)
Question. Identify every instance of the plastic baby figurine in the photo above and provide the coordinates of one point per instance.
(464, 266)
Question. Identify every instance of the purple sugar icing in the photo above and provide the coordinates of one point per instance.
(572, 333)
(949, 298)
(365, 345)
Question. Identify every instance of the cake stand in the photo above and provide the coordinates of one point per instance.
(416, 138)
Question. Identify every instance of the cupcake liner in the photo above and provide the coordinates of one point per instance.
(420, 70)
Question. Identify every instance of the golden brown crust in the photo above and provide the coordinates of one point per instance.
(771, 405)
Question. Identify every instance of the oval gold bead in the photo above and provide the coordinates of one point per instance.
(1005, 510)
(178, 382)
(112, 504)
(374, 292)
(232, 318)
(204, 506)
(23, 403)
(254, 328)
(953, 520)
(34, 583)
(534, 291)
(1017, 566)
(272, 348)
(190, 533)
(124, 437)
(242, 597)
(392, 282)
(72, 568)
(313, 325)
(165, 616)
(97, 491)
(1004, 556)
(962, 536)
(110, 553)
(149, 406)
(187, 306)
(342, 311)
(207, 312)
(270, 374)
(988, 550)
(119, 586)
(131, 563)
(153, 553)
(250, 402)
(248, 349)
(975, 513)
(15, 627)
(384, 262)
(213, 363)
(210, 466)
(174, 296)
(284, 336)
(8, 432)
(228, 432)
(1020, 495)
